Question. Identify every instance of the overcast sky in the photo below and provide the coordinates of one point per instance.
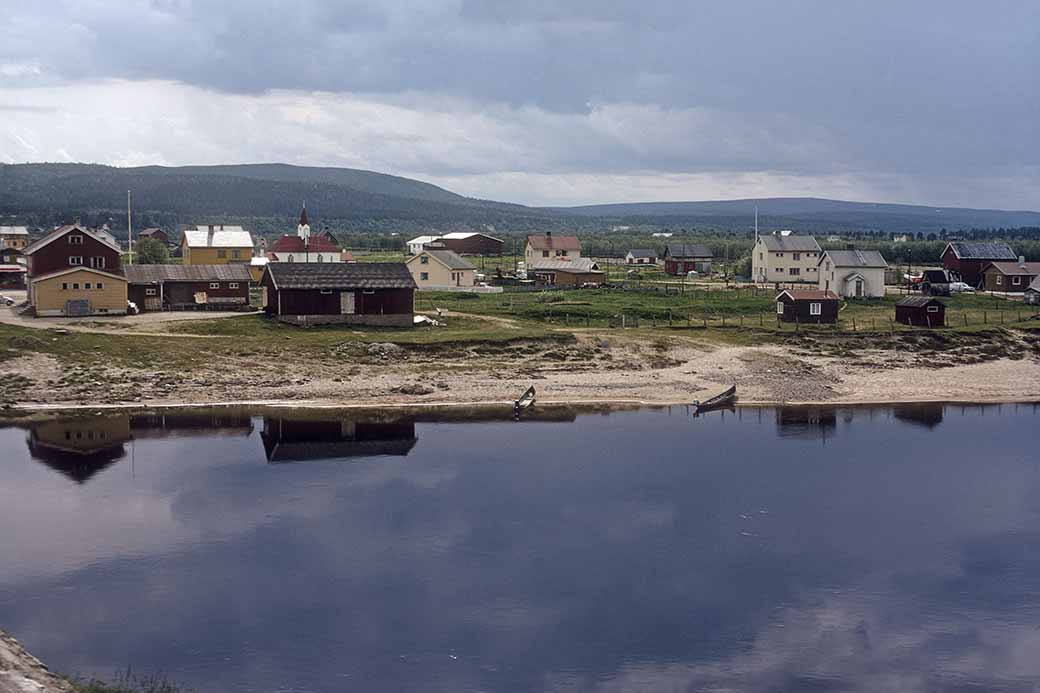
(546, 101)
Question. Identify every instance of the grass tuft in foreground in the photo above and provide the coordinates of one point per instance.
(128, 682)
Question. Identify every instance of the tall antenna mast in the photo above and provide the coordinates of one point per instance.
(756, 223)
(129, 229)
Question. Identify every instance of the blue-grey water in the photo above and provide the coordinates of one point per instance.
(889, 549)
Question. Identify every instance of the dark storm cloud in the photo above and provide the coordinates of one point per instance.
(808, 88)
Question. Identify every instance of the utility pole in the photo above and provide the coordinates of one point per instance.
(129, 229)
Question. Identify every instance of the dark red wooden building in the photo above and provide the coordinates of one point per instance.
(680, 258)
(471, 243)
(921, 311)
(364, 293)
(71, 246)
(188, 287)
(807, 307)
(968, 260)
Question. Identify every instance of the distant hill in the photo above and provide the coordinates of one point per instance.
(267, 197)
(807, 214)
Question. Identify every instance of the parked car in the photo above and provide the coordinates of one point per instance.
(131, 308)
(7, 300)
(960, 287)
(693, 274)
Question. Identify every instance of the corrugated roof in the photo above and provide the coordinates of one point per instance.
(688, 250)
(919, 301)
(550, 242)
(806, 295)
(855, 258)
(423, 239)
(790, 244)
(219, 237)
(14, 230)
(450, 258)
(339, 275)
(580, 264)
(981, 251)
(1028, 268)
(151, 274)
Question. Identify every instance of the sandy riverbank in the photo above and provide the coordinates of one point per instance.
(595, 368)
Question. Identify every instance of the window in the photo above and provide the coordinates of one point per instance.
(290, 258)
(75, 286)
(562, 253)
(545, 253)
(795, 271)
(64, 286)
(326, 292)
(780, 270)
(779, 307)
(102, 310)
(1000, 280)
(76, 240)
(222, 253)
(320, 258)
(424, 260)
(933, 309)
(423, 276)
(815, 308)
(827, 265)
(237, 254)
(796, 256)
(97, 262)
(87, 286)
(369, 291)
(99, 286)
(149, 292)
(779, 254)
(1015, 281)
(214, 285)
(761, 256)
(75, 259)
(233, 285)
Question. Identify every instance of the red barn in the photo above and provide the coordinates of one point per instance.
(969, 259)
(681, 257)
(362, 293)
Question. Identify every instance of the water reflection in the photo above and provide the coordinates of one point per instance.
(165, 424)
(639, 550)
(80, 448)
(298, 440)
(928, 415)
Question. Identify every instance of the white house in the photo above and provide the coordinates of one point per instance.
(549, 247)
(641, 256)
(415, 246)
(853, 273)
(785, 259)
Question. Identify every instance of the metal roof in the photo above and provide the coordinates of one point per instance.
(687, 250)
(580, 264)
(549, 242)
(340, 275)
(1034, 285)
(447, 257)
(796, 244)
(218, 237)
(642, 252)
(153, 274)
(855, 258)
(981, 251)
(919, 301)
(14, 230)
(806, 295)
(461, 235)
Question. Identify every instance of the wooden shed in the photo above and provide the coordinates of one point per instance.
(921, 311)
(363, 293)
(807, 307)
(188, 287)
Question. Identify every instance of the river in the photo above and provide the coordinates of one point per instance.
(803, 549)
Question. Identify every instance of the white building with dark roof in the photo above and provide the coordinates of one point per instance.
(785, 259)
(853, 273)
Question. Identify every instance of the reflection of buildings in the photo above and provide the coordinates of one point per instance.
(80, 448)
(928, 415)
(807, 423)
(166, 425)
(297, 440)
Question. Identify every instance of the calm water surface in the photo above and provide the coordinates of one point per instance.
(815, 550)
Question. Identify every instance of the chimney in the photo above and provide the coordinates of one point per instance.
(548, 234)
(211, 228)
(1022, 261)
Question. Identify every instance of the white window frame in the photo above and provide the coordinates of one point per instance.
(326, 292)
(86, 286)
(150, 291)
(76, 260)
(214, 285)
(933, 309)
(795, 271)
(232, 285)
(424, 259)
(779, 307)
(97, 262)
(1016, 281)
(75, 239)
(99, 286)
(1000, 280)
(424, 276)
(815, 309)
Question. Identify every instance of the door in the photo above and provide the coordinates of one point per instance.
(78, 308)
(859, 288)
(346, 302)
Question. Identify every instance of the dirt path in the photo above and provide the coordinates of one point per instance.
(136, 325)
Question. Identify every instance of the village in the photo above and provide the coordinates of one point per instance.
(672, 323)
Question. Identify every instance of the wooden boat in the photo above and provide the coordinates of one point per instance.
(526, 400)
(722, 399)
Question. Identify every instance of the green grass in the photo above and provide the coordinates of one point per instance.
(128, 683)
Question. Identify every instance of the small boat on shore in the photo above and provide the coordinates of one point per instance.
(525, 401)
(724, 398)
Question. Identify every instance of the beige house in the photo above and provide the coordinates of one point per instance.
(785, 259)
(14, 237)
(853, 273)
(79, 291)
(440, 269)
(549, 247)
(216, 244)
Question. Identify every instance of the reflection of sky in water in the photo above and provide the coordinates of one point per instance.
(865, 550)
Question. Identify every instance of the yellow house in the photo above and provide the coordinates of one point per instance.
(216, 244)
(440, 269)
(79, 291)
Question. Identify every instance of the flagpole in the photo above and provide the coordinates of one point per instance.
(129, 229)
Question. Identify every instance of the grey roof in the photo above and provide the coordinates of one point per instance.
(936, 276)
(1034, 285)
(340, 275)
(14, 230)
(919, 301)
(642, 252)
(450, 258)
(693, 250)
(789, 244)
(151, 274)
(580, 264)
(981, 251)
(855, 258)
(62, 230)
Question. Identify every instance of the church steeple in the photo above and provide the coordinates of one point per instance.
(304, 229)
